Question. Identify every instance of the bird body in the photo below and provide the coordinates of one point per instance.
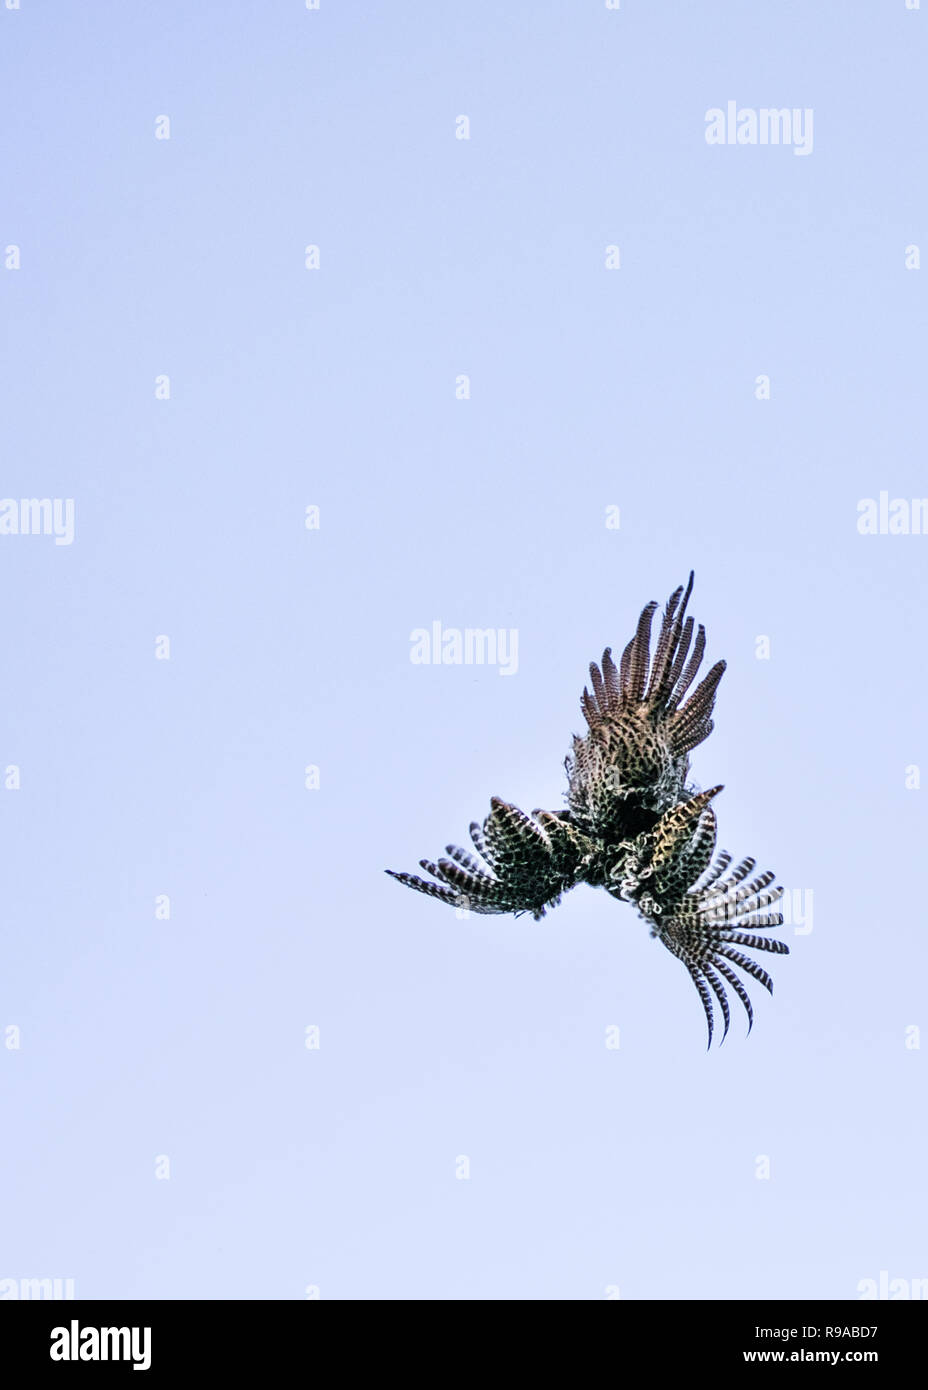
(633, 824)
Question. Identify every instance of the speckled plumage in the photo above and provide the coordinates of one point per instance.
(633, 825)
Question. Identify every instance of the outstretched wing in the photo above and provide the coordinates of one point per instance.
(523, 863)
(632, 764)
(706, 927)
(700, 915)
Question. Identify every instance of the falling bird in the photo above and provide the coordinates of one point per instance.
(634, 824)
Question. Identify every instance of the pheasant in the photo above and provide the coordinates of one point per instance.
(634, 824)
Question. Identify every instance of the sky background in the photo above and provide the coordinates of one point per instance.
(591, 1169)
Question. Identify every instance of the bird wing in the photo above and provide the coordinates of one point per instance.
(706, 926)
(632, 764)
(702, 915)
(523, 863)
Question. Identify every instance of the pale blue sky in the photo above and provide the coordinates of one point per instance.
(336, 1168)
